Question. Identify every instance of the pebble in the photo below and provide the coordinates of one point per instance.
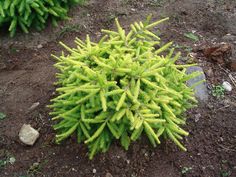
(12, 160)
(28, 135)
(193, 54)
(227, 86)
(94, 171)
(35, 164)
(34, 105)
(146, 154)
(197, 117)
(209, 72)
(40, 46)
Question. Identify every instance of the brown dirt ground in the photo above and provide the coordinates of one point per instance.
(27, 76)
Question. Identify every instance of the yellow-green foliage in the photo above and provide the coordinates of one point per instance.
(26, 13)
(120, 88)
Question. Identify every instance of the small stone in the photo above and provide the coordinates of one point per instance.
(197, 117)
(209, 72)
(94, 171)
(227, 86)
(193, 54)
(28, 135)
(34, 105)
(108, 175)
(200, 90)
(35, 165)
(40, 46)
(226, 103)
(211, 167)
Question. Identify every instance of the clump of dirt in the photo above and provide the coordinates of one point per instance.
(27, 76)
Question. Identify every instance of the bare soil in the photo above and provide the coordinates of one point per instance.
(27, 75)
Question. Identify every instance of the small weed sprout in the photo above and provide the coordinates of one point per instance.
(225, 173)
(2, 116)
(218, 91)
(192, 36)
(186, 170)
(9, 159)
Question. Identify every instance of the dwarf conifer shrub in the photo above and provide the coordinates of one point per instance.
(26, 13)
(120, 88)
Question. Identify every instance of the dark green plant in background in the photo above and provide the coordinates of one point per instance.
(24, 14)
(120, 88)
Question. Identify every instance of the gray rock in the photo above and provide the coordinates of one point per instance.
(200, 90)
(28, 135)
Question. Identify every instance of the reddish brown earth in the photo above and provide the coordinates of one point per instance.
(27, 75)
